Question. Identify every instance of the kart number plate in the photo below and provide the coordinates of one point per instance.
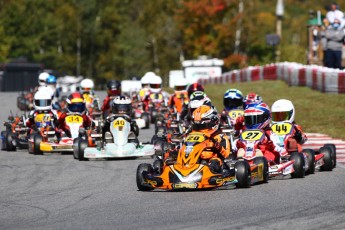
(119, 123)
(252, 135)
(185, 185)
(282, 128)
(234, 114)
(42, 118)
(73, 119)
(195, 138)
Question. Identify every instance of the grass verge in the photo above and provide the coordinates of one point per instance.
(316, 112)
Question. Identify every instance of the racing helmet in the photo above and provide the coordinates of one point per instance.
(43, 100)
(233, 99)
(76, 103)
(180, 85)
(51, 82)
(257, 116)
(42, 77)
(114, 88)
(252, 98)
(86, 86)
(155, 85)
(194, 87)
(145, 80)
(205, 119)
(197, 99)
(122, 105)
(283, 110)
(48, 89)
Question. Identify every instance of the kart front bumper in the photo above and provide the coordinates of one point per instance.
(115, 151)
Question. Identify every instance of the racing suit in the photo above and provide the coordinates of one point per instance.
(87, 123)
(178, 100)
(48, 115)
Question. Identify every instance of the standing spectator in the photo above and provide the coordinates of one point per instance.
(335, 36)
(335, 13)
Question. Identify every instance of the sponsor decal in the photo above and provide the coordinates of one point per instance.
(185, 185)
(225, 180)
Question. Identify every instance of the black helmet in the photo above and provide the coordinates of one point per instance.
(114, 88)
(194, 87)
(122, 105)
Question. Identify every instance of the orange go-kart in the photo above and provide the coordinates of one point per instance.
(189, 171)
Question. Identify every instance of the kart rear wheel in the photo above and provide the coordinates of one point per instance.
(327, 159)
(298, 165)
(333, 152)
(311, 160)
(146, 118)
(82, 145)
(242, 174)
(264, 172)
(140, 179)
(37, 142)
(9, 142)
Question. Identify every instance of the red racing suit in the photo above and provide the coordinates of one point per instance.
(87, 123)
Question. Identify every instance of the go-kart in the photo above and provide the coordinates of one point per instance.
(25, 101)
(15, 136)
(120, 142)
(322, 159)
(141, 117)
(45, 140)
(189, 171)
(290, 164)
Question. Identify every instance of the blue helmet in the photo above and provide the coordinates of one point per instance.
(51, 79)
(257, 116)
(233, 99)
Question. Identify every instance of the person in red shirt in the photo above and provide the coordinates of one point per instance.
(75, 105)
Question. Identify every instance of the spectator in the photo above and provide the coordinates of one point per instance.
(334, 35)
(335, 13)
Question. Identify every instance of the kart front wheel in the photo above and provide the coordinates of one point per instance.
(333, 152)
(327, 159)
(9, 142)
(37, 142)
(140, 179)
(310, 154)
(82, 145)
(262, 161)
(242, 174)
(298, 165)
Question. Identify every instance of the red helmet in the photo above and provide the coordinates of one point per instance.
(76, 103)
(194, 87)
(252, 98)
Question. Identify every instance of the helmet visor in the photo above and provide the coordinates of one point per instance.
(76, 107)
(252, 120)
(281, 116)
(155, 86)
(122, 109)
(43, 102)
(231, 103)
(180, 87)
(202, 125)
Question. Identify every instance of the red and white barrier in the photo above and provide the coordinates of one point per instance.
(315, 77)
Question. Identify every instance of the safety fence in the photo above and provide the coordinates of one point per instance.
(316, 77)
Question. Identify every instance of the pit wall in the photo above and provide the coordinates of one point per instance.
(320, 78)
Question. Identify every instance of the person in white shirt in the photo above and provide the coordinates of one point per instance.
(335, 13)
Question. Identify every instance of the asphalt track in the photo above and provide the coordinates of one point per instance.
(55, 191)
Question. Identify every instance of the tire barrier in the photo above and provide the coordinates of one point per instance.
(320, 78)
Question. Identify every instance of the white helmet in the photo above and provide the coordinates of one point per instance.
(283, 110)
(47, 89)
(42, 78)
(145, 80)
(155, 84)
(86, 86)
(43, 99)
(180, 85)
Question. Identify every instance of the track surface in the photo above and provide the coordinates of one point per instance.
(55, 191)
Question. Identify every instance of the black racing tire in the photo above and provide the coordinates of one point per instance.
(333, 152)
(146, 118)
(139, 177)
(327, 159)
(243, 174)
(298, 165)
(37, 141)
(262, 160)
(9, 143)
(82, 145)
(311, 160)
(75, 148)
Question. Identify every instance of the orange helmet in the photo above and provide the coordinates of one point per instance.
(205, 119)
(76, 103)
